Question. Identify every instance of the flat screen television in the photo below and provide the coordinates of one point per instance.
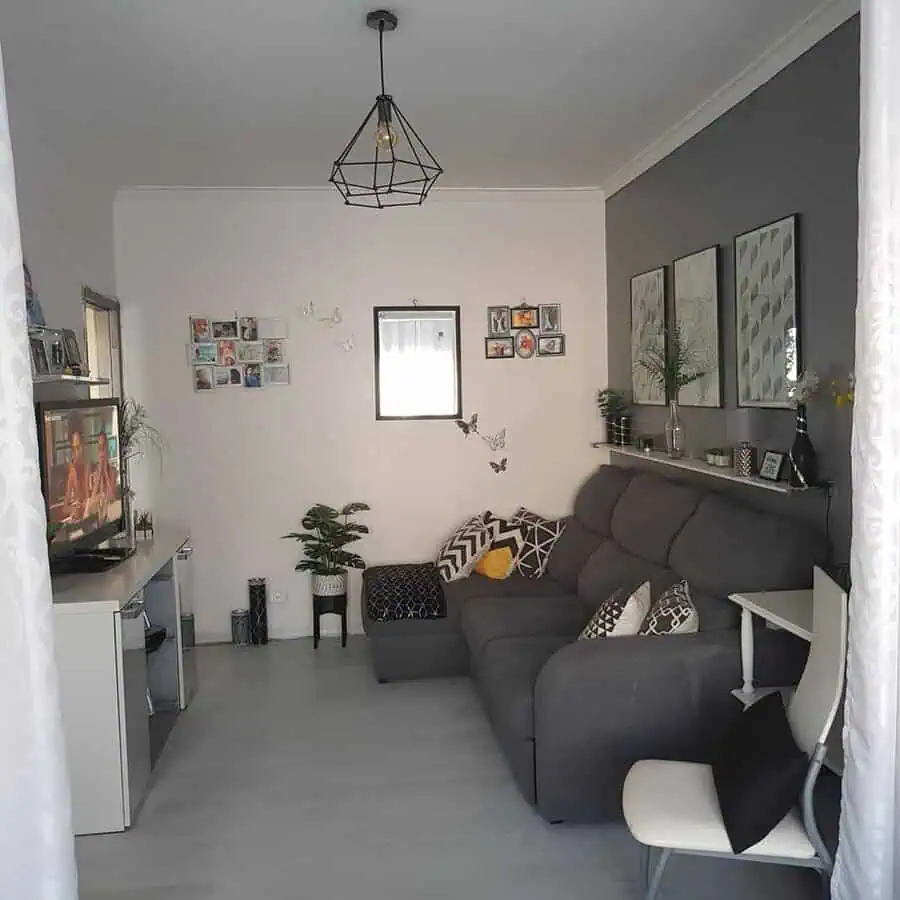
(81, 473)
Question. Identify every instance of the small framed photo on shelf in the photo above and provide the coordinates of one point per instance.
(498, 321)
(229, 376)
(40, 365)
(250, 352)
(253, 376)
(551, 318)
(204, 378)
(72, 352)
(280, 374)
(499, 348)
(249, 328)
(202, 354)
(524, 316)
(224, 329)
(551, 345)
(771, 465)
(201, 329)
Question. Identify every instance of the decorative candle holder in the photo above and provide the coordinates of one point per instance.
(744, 460)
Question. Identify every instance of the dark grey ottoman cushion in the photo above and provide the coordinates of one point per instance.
(407, 591)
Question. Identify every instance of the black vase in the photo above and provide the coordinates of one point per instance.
(618, 430)
(259, 618)
(802, 455)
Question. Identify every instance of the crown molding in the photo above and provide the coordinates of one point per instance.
(818, 25)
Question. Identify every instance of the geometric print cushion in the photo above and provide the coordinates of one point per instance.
(619, 615)
(507, 541)
(407, 591)
(673, 613)
(540, 538)
(464, 548)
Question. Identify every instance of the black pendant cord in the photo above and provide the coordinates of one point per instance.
(381, 53)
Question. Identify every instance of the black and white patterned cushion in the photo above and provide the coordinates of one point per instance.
(506, 535)
(461, 552)
(619, 615)
(407, 591)
(673, 613)
(540, 538)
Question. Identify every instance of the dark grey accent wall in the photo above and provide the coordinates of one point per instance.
(791, 147)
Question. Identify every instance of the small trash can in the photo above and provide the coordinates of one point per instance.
(187, 630)
(240, 627)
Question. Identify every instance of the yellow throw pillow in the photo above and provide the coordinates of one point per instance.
(496, 564)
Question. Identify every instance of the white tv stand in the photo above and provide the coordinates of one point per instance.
(112, 740)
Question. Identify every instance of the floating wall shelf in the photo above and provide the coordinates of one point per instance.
(69, 379)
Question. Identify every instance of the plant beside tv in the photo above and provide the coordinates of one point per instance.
(326, 535)
(614, 406)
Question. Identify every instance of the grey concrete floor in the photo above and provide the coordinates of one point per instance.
(295, 776)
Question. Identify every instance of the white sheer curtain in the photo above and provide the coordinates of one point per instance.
(37, 860)
(868, 859)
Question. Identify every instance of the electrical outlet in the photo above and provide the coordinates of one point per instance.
(279, 597)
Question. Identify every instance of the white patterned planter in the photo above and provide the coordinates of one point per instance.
(329, 585)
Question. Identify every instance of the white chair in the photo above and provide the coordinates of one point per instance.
(673, 807)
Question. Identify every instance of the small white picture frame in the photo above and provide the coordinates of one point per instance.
(272, 329)
(204, 378)
(277, 374)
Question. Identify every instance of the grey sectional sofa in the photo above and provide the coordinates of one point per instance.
(572, 716)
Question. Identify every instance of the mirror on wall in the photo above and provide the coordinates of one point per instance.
(417, 368)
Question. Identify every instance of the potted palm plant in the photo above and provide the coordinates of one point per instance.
(327, 532)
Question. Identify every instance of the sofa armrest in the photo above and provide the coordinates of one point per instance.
(601, 705)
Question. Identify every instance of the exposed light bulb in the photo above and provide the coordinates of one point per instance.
(385, 136)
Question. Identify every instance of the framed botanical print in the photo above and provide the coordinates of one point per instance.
(696, 282)
(648, 331)
(767, 332)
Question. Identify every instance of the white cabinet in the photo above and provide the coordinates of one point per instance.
(105, 677)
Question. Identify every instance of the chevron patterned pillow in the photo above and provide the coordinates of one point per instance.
(461, 552)
(507, 541)
(619, 615)
(673, 613)
(540, 539)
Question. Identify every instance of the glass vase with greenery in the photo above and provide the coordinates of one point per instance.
(672, 368)
(326, 535)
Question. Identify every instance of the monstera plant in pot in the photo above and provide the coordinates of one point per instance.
(326, 534)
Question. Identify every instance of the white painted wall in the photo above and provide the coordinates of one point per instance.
(245, 464)
(66, 221)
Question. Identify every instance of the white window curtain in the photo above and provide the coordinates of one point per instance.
(37, 856)
(868, 859)
(417, 365)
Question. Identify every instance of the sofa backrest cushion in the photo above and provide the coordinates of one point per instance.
(598, 496)
(570, 553)
(726, 548)
(650, 513)
(611, 568)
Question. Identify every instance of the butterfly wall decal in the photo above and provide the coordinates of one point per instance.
(334, 319)
(496, 441)
(499, 467)
(309, 309)
(470, 427)
(347, 345)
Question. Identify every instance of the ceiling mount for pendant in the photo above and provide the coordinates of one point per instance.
(391, 166)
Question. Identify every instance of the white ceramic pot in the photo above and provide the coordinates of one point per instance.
(329, 585)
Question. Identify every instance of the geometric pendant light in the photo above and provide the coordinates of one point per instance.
(386, 163)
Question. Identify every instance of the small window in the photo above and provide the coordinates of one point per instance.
(103, 342)
(417, 367)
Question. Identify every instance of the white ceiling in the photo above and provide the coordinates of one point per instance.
(506, 93)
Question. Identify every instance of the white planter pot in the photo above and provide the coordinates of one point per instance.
(329, 585)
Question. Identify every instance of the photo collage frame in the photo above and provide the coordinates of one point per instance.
(524, 331)
(238, 352)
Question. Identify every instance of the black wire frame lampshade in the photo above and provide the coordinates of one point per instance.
(399, 171)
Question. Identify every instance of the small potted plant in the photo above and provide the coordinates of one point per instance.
(613, 406)
(327, 532)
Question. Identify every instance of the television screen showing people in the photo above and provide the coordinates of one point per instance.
(82, 470)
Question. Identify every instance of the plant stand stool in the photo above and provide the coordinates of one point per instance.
(321, 606)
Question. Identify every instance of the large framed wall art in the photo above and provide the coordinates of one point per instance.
(648, 329)
(696, 279)
(767, 330)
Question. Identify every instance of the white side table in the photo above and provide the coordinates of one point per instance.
(790, 610)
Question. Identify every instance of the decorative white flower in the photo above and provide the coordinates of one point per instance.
(803, 388)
